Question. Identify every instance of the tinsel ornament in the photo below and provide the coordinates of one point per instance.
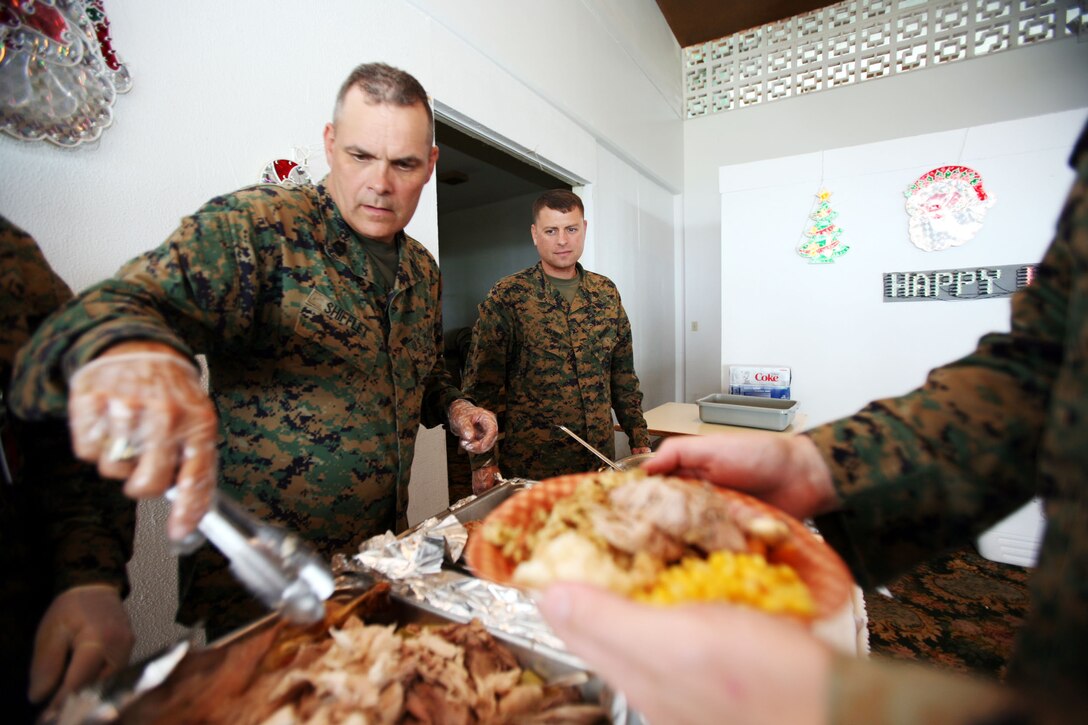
(285, 172)
(822, 244)
(59, 73)
(946, 206)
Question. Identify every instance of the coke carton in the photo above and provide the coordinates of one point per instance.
(760, 381)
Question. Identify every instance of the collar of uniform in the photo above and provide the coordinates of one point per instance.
(342, 244)
(413, 257)
(586, 291)
(543, 278)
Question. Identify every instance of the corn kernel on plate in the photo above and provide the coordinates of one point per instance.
(661, 540)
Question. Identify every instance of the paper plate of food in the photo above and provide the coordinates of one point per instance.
(661, 540)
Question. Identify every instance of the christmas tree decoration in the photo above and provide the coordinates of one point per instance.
(946, 207)
(59, 73)
(822, 245)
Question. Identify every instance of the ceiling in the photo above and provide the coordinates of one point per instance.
(697, 21)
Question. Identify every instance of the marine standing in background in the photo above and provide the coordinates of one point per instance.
(320, 320)
(552, 346)
(65, 534)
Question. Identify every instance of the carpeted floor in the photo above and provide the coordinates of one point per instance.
(960, 612)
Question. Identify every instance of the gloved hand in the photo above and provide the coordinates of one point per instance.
(85, 628)
(477, 428)
(138, 411)
(484, 477)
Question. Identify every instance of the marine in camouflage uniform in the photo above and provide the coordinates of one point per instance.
(540, 362)
(319, 377)
(932, 470)
(60, 525)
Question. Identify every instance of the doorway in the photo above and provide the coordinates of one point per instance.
(485, 198)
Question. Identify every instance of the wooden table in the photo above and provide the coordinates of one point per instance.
(683, 419)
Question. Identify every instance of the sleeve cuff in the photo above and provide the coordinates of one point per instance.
(482, 460)
(865, 691)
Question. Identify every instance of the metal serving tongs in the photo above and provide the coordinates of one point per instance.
(277, 566)
(591, 449)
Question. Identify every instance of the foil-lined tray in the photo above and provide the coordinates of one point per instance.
(424, 565)
(429, 583)
(151, 691)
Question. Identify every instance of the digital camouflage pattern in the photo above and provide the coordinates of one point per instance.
(60, 525)
(86, 523)
(29, 291)
(933, 469)
(539, 363)
(320, 381)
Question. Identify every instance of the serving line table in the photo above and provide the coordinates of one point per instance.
(671, 419)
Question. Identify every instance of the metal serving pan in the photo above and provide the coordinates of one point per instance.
(547, 663)
(121, 699)
(747, 410)
(477, 509)
(474, 509)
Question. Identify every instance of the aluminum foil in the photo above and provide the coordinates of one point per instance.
(420, 565)
(103, 702)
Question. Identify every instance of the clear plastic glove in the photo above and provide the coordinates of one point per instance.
(484, 478)
(139, 412)
(785, 471)
(477, 427)
(681, 664)
(85, 635)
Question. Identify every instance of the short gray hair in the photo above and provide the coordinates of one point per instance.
(385, 84)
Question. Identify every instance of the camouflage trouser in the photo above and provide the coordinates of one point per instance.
(25, 571)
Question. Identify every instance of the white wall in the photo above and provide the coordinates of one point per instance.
(829, 322)
(633, 231)
(220, 89)
(1018, 84)
(611, 66)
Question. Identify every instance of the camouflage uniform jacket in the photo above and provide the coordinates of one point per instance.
(82, 526)
(60, 525)
(319, 379)
(539, 363)
(932, 470)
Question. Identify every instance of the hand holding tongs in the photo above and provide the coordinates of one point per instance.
(278, 567)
